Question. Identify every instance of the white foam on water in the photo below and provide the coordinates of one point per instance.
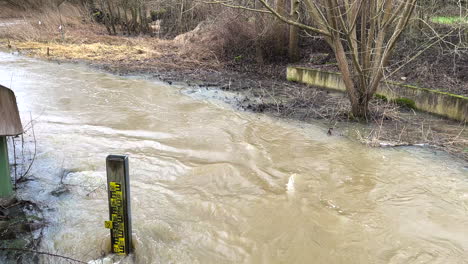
(290, 189)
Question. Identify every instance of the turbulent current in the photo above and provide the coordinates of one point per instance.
(211, 184)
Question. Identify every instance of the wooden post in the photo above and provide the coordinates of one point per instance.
(118, 188)
(6, 189)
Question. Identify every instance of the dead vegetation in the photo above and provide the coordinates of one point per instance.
(21, 221)
(46, 24)
(222, 53)
(390, 125)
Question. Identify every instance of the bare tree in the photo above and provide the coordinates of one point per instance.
(293, 49)
(281, 38)
(361, 33)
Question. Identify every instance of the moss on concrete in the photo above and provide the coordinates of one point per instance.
(381, 97)
(440, 103)
(426, 89)
(405, 102)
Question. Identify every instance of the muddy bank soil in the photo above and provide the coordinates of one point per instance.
(259, 88)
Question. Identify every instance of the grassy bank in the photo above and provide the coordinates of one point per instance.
(448, 20)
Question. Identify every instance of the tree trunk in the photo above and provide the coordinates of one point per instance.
(360, 109)
(126, 20)
(281, 27)
(119, 19)
(293, 50)
(181, 17)
(143, 22)
(134, 12)
(258, 45)
(358, 95)
(111, 17)
(106, 18)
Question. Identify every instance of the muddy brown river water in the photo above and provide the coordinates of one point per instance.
(214, 185)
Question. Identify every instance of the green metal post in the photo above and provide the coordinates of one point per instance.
(6, 189)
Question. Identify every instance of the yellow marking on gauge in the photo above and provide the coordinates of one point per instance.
(116, 203)
(108, 224)
(115, 186)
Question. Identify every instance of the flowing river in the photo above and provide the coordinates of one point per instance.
(214, 185)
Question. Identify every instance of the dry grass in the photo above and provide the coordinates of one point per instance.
(91, 52)
(82, 39)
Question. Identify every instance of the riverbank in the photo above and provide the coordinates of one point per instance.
(21, 230)
(204, 172)
(261, 89)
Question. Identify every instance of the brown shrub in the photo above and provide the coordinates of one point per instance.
(230, 36)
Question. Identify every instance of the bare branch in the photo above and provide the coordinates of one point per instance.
(294, 23)
(225, 3)
(42, 253)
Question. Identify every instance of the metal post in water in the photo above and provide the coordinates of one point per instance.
(6, 188)
(118, 188)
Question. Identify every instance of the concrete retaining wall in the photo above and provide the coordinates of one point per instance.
(436, 102)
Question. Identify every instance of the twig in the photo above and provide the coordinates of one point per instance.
(15, 162)
(272, 97)
(26, 127)
(42, 253)
(35, 148)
